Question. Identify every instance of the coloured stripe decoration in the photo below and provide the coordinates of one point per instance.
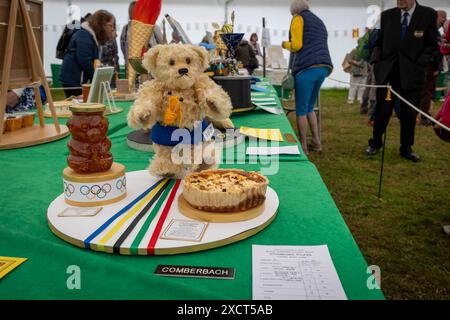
(124, 219)
(123, 237)
(162, 219)
(138, 208)
(148, 221)
(117, 215)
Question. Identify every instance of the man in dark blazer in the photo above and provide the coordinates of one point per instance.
(407, 42)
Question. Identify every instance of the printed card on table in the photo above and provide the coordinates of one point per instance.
(79, 212)
(185, 230)
(266, 134)
(271, 151)
(295, 273)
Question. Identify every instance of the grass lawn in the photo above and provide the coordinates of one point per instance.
(402, 233)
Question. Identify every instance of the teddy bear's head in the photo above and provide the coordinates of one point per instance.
(176, 65)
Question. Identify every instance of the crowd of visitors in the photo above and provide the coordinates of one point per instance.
(411, 60)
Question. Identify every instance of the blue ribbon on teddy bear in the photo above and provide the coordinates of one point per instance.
(164, 135)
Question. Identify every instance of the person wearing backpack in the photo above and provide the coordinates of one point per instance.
(63, 42)
(83, 51)
(246, 55)
(69, 31)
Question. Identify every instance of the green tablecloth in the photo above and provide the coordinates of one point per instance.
(32, 179)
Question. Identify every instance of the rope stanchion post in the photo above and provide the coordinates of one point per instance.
(382, 165)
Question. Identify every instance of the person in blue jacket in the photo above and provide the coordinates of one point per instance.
(83, 51)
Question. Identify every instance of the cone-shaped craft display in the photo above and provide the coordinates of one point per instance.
(232, 41)
(145, 14)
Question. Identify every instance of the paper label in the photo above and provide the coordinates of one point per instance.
(185, 230)
(295, 273)
(266, 134)
(209, 132)
(80, 212)
(270, 151)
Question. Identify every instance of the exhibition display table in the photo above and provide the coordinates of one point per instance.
(31, 179)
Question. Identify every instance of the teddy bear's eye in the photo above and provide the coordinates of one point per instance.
(188, 60)
(172, 62)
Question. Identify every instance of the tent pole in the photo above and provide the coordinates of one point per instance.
(264, 49)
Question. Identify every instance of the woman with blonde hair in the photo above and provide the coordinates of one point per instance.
(311, 64)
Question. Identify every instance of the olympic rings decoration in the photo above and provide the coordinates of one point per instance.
(121, 184)
(106, 188)
(90, 196)
(96, 189)
(69, 189)
(85, 190)
(93, 191)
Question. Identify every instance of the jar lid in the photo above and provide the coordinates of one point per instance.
(87, 107)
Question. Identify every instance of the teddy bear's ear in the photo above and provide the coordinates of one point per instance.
(149, 59)
(203, 54)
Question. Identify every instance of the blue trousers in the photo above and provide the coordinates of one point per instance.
(307, 87)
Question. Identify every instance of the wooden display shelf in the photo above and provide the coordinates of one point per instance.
(32, 136)
(26, 67)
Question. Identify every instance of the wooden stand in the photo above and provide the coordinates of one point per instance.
(140, 140)
(36, 134)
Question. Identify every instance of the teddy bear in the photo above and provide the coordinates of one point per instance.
(178, 105)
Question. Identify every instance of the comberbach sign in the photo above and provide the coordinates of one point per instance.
(194, 271)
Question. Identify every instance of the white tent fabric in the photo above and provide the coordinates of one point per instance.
(196, 16)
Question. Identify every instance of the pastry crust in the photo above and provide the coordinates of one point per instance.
(225, 190)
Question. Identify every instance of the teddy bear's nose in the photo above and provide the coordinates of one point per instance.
(183, 71)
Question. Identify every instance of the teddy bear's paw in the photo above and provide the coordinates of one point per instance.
(144, 116)
(165, 170)
(219, 109)
(138, 119)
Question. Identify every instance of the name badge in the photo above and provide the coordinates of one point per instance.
(418, 34)
(209, 132)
